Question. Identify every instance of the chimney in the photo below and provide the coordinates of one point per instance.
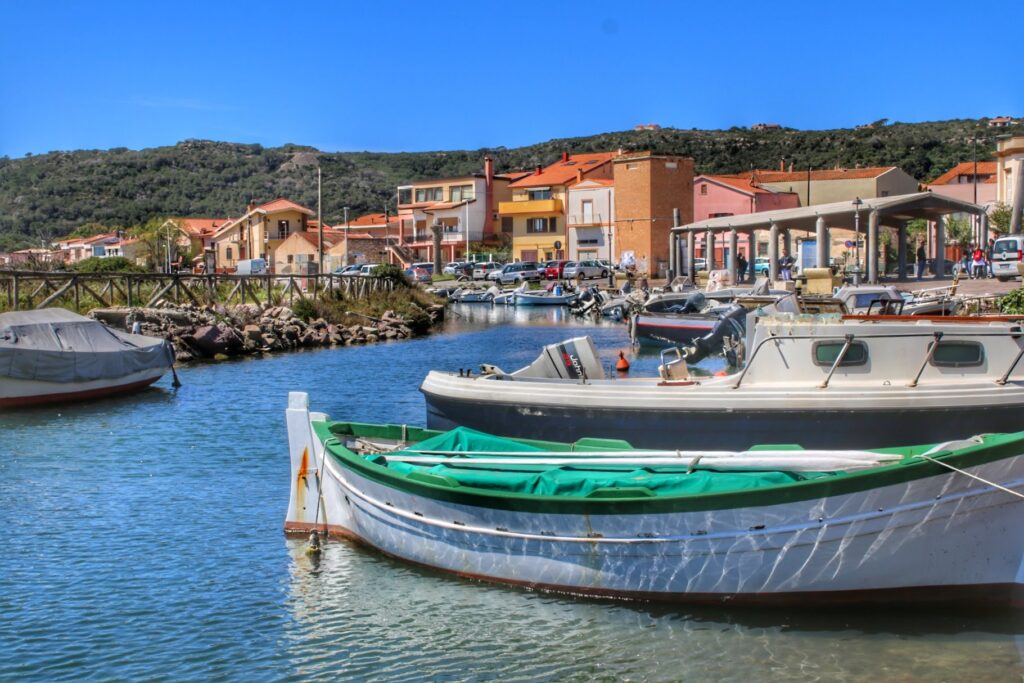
(488, 171)
(782, 165)
(791, 167)
(565, 156)
(488, 195)
(537, 170)
(579, 175)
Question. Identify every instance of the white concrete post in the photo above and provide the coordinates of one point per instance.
(873, 246)
(821, 237)
(709, 248)
(773, 253)
(751, 252)
(732, 255)
(691, 255)
(940, 247)
(901, 251)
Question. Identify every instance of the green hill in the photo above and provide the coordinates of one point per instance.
(50, 195)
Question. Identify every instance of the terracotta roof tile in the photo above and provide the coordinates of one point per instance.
(564, 172)
(197, 227)
(282, 204)
(985, 168)
(766, 176)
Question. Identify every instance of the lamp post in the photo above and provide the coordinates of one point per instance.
(857, 202)
(319, 224)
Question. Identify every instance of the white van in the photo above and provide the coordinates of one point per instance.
(253, 266)
(1006, 254)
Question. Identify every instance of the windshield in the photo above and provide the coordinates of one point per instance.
(1005, 246)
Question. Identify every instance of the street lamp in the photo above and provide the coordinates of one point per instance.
(346, 236)
(856, 239)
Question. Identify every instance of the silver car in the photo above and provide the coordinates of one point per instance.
(584, 269)
(482, 271)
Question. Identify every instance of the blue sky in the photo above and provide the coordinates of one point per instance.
(396, 76)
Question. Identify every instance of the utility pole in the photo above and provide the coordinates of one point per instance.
(319, 221)
(346, 236)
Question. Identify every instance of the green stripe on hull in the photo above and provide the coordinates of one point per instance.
(995, 447)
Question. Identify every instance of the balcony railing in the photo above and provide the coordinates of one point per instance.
(586, 221)
(544, 206)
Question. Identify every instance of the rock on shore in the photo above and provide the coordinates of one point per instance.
(214, 332)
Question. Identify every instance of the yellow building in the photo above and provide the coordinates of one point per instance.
(536, 213)
(259, 232)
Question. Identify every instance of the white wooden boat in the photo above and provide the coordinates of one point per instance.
(819, 380)
(544, 298)
(927, 524)
(53, 355)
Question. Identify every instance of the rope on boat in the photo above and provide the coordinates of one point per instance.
(968, 474)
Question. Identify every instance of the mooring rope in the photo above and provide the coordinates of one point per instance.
(968, 474)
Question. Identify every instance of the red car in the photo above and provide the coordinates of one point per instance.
(553, 270)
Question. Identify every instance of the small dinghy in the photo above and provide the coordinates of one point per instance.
(54, 355)
(769, 525)
(556, 296)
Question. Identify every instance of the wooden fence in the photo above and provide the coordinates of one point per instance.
(25, 290)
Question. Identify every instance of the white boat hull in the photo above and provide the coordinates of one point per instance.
(944, 538)
(23, 392)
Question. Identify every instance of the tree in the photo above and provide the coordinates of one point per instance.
(958, 230)
(999, 218)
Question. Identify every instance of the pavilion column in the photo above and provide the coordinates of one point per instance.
(673, 254)
(787, 241)
(691, 254)
(901, 251)
(940, 247)
(773, 253)
(873, 247)
(751, 253)
(732, 255)
(983, 229)
(821, 243)
(709, 247)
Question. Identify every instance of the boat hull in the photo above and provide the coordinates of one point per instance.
(659, 330)
(18, 392)
(647, 426)
(942, 538)
(543, 300)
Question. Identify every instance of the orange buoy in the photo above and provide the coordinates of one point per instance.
(622, 365)
(721, 373)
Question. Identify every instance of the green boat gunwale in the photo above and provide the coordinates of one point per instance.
(994, 448)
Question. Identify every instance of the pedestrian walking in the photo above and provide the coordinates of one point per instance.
(741, 267)
(978, 263)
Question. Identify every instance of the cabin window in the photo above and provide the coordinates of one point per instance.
(825, 353)
(958, 354)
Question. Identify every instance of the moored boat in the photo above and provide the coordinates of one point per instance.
(53, 355)
(819, 380)
(544, 298)
(777, 524)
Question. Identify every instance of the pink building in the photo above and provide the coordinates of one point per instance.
(717, 196)
(961, 182)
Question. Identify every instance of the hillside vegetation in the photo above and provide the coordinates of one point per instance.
(51, 195)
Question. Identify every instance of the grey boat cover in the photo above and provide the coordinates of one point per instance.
(54, 345)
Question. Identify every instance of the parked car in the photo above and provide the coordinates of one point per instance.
(514, 273)
(366, 270)
(348, 271)
(482, 271)
(1007, 252)
(584, 269)
(762, 265)
(416, 274)
(453, 268)
(553, 269)
(606, 264)
(425, 265)
(253, 266)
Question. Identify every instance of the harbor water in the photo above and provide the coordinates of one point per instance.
(142, 539)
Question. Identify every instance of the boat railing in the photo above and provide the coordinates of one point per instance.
(849, 338)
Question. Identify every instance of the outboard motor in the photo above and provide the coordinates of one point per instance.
(693, 303)
(731, 324)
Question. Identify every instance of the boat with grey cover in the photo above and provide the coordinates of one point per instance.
(54, 355)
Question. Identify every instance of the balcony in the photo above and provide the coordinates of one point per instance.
(586, 221)
(544, 206)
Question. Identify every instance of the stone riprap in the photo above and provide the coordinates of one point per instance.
(218, 332)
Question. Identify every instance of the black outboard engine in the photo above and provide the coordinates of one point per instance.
(732, 323)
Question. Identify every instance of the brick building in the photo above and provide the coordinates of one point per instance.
(647, 188)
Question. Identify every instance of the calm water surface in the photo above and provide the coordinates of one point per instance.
(142, 540)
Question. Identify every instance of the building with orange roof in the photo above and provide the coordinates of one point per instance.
(536, 214)
(969, 182)
(590, 219)
(464, 207)
(258, 232)
(824, 186)
(715, 196)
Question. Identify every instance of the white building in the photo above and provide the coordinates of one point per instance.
(590, 217)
